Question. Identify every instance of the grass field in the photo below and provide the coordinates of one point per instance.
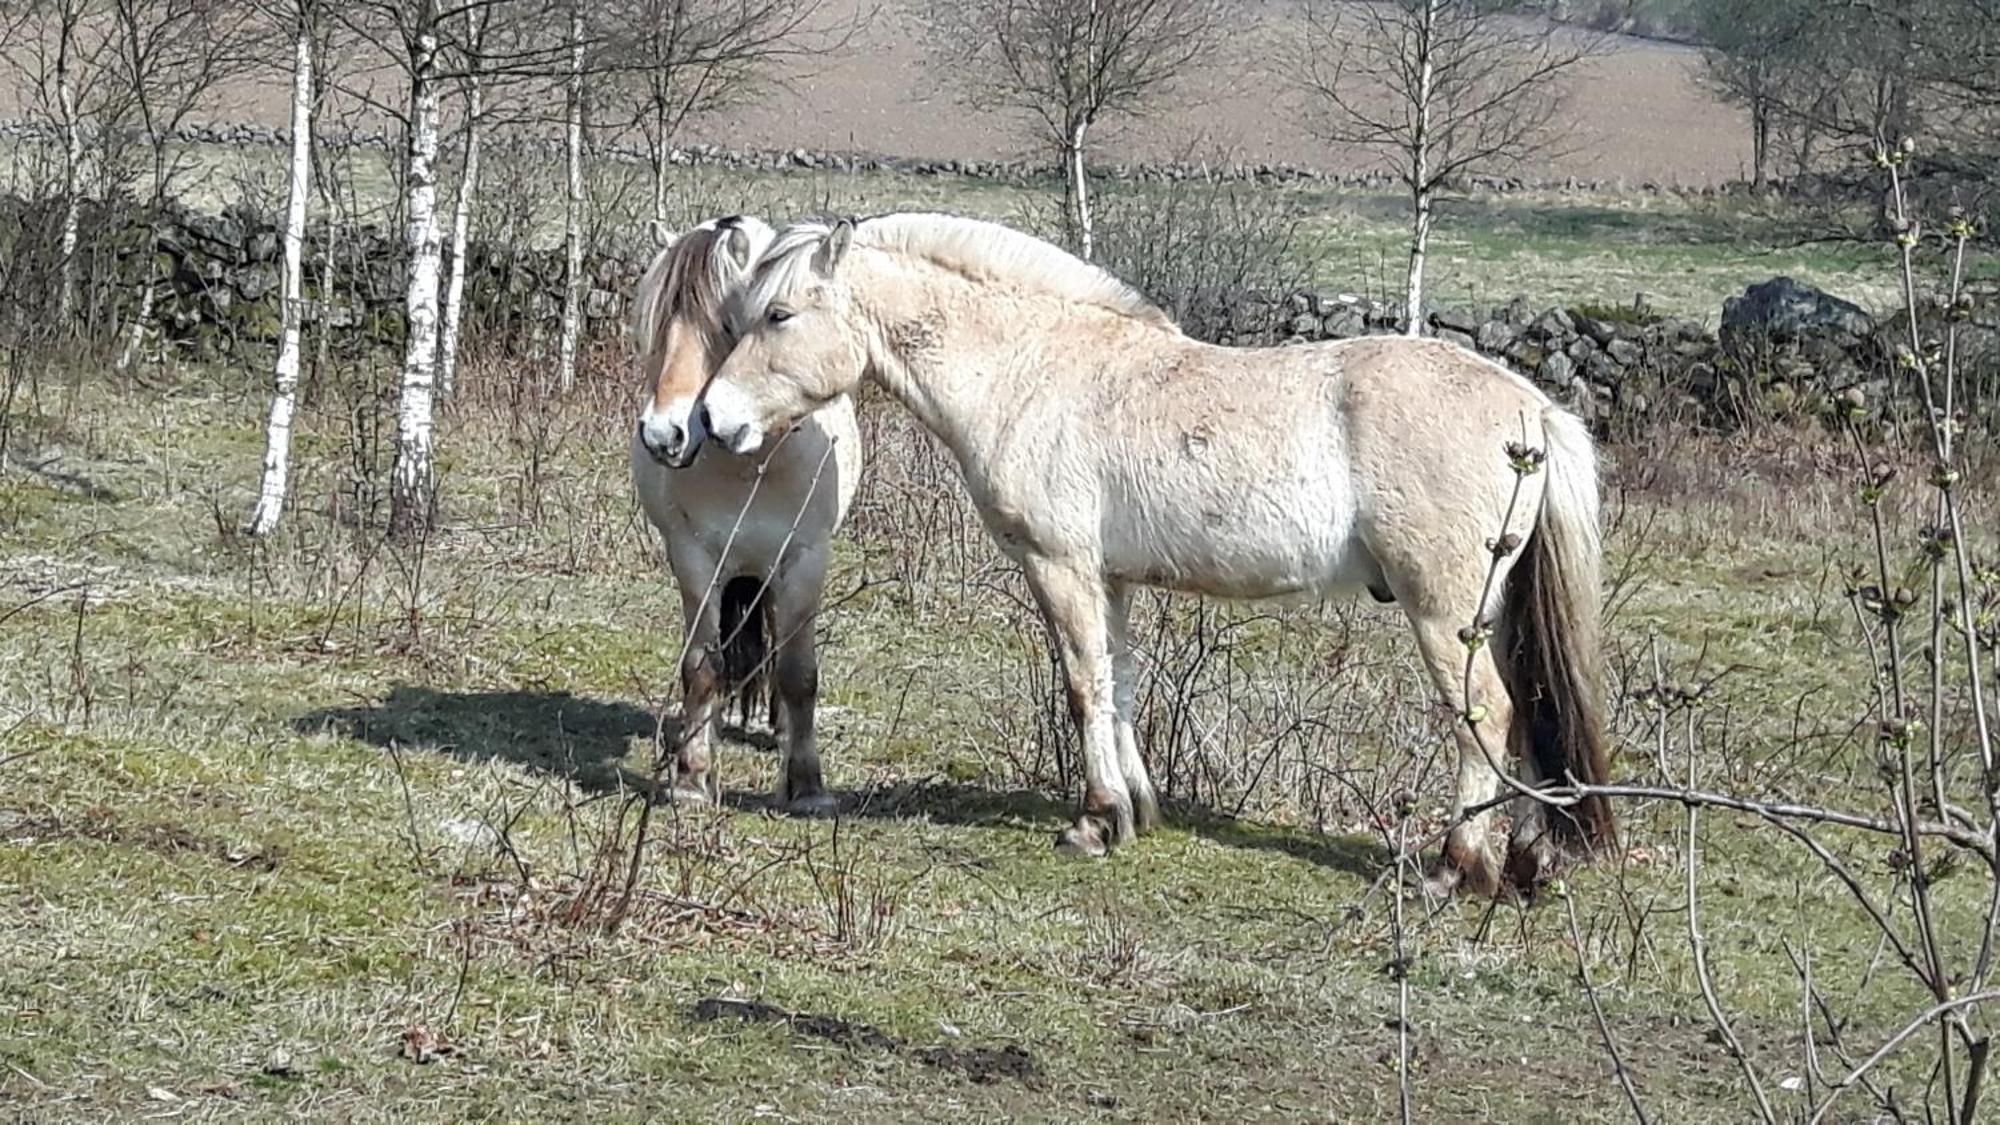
(1685, 253)
(327, 830)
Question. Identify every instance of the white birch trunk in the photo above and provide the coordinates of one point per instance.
(660, 229)
(572, 310)
(1420, 237)
(1079, 191)
(72, 182)
(1420, 167)
(136, 338)
(284, 398)
(461, 231)
(410, 486)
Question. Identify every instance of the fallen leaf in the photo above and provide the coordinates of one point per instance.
(422, 1045)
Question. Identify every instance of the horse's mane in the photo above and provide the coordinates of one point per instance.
(972, 248)
(692, 277)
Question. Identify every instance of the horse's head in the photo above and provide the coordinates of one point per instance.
(679, 331)
(797, 349)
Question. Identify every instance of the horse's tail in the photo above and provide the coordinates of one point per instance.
(745, 672)
(1553, 664)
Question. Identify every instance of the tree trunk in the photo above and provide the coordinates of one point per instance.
(278, 433)
(412, 478)
(661, 231)
(461, 231)
(1421, 188)
(1420, 240)
(136, 338)
(572, 311)
(1079, 191)
(72, 174)
(1760, 140)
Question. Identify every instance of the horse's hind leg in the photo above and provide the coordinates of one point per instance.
(1125, 680)
(1479, 729)
(1072, 598)
(795, 600)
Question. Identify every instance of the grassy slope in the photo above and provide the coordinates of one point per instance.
(222, 895)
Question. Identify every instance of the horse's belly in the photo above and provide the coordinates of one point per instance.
(1253, 546)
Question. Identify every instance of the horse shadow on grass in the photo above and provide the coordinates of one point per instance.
(1037, 815)
(554, 732)
(589, 741)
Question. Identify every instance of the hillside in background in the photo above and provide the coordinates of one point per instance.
(1638, 112)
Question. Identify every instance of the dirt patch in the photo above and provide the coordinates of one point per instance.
(161, 839)
(980, 1064)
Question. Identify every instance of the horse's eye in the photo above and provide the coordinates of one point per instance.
(779, 315)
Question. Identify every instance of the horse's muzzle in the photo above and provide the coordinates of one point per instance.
(668, 443)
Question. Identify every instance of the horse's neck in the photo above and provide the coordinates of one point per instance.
(955, 358)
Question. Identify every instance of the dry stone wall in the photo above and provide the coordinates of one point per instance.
(1781, 345)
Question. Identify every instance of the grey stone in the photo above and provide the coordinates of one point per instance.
(1345, 324)
(1782, 310)
(1462, 339)
(1493, 337)
(1623, 352)
(253, 283)
(1553, 324)
(1555, 370)
(1601, 331)
(1455, 320)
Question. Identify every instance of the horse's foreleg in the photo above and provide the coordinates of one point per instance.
(1073, 600)
(1480, 730)
(795, 600)
(701, 689)
(1125, 681)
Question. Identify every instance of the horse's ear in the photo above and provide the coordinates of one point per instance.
(827, 258)
(739, 246)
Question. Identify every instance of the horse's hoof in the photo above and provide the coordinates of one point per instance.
(1084, 838)
(815, 805)
(1531, 865)
(1463, 872)
(1146, 813)
(684, 793)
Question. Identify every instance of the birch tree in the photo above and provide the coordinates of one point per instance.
(62, 50)
(274, 485)
(474, 89)
(573, 282)
(1442, 89)
(1067, 65)
(676, 60)
(167, 57)
(1754, 50)
(412, 479)
(417, 34)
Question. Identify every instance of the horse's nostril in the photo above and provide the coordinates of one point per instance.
(663, 439)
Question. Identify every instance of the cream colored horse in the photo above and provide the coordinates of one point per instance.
(1106, 450)
(746, 537)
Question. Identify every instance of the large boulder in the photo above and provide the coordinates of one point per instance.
(1782, 310)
